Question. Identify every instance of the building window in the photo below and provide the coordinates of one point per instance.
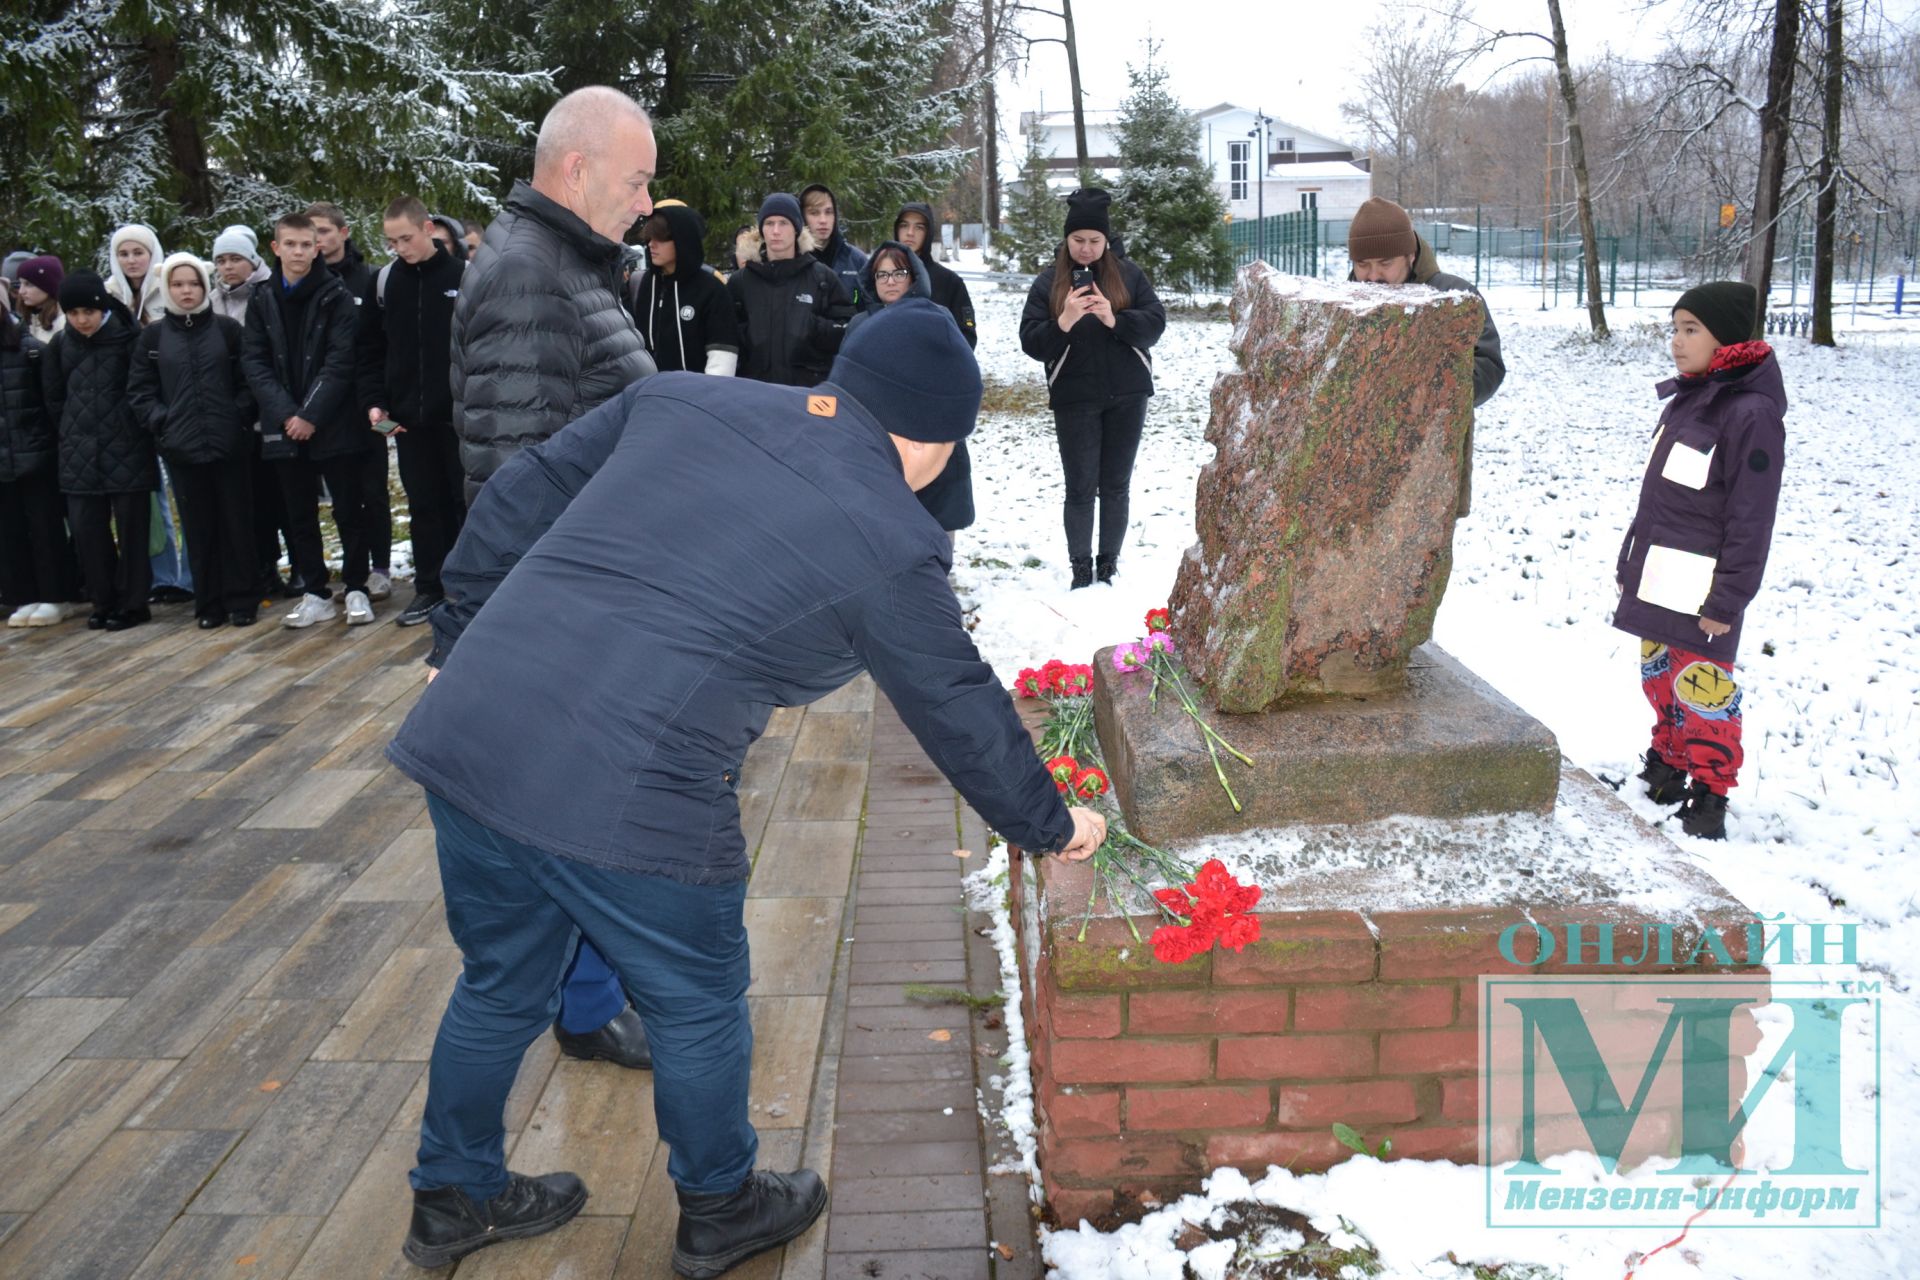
(1238, 156)
(1282, 146)
(1309, 202)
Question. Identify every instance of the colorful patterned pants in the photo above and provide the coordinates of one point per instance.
(1696, 706)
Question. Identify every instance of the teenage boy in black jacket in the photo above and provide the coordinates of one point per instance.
(683, 309)
(341, 256)
(299, 357)
(405, 360)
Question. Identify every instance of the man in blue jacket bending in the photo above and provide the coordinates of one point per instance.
(698, 552)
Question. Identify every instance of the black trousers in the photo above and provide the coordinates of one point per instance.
(269, 526)
(379, 508)
(1097, 446)
(36, 559)
(117, 577)
(216, 514)
(345, 478)
(436, 488)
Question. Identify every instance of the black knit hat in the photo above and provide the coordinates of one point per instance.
(780, 205)
(1726, 307)
(84, 289)
(909, 367)
(1087, 211)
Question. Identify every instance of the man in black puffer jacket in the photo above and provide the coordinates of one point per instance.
(406, 387)
(107, 466)
(539, 334)
(298, 354)
(188, 389)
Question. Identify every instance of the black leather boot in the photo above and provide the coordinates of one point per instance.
(1665, 784)
(717, 1233)
(449, 1225)
(1705, 814)
(622, 1042)
(1082, 574)
(1104, 568)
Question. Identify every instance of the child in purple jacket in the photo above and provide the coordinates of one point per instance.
(1697, 549)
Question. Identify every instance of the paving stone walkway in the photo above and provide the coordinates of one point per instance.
(223, 958)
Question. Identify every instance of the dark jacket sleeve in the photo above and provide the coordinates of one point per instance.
(234, 336)
(1489, 368)
(143, 382)
(908, 632)
(719, 320)
(832, 312)
(737, 300)
(962, 308)
(53, 382)
(1145, 318)
(370, 357)
(256, 357)
(1040, 337)
(331, 397)
(1753, 458)
(515, 507)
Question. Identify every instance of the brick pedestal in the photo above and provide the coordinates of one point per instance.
(1147, 1076)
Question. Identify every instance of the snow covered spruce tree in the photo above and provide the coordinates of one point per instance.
(836, 91)
(189, 114)
(1035, 215)
(1164, 203)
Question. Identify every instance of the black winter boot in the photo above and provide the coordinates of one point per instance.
(1665, 784)
(448, 1225)
(1704, 814)
(1105, 566)
(1082, 574)
(718, 1233)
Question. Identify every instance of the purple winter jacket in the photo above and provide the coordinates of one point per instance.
(1717, 501)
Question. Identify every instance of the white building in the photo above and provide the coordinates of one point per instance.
(1304, 170)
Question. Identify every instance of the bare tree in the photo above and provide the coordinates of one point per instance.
(1827, 203)
(1065, 16)
(1403, 85)
(1582, 183)
(1775, 122)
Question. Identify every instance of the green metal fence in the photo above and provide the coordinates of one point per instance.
(1288, 241)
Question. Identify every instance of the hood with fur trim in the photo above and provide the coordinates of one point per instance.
(757, 247)
(207, 282)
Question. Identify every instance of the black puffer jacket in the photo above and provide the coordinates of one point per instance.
(944, 284)
(188, 389)
(1095, 364)
(687, 314)
(26, 433)
(298, 355)
(949, 497)
(406, 332)
(793, 314)
(539, 334)
(102, 448)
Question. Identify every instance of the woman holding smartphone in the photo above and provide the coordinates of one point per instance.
(1090, 319)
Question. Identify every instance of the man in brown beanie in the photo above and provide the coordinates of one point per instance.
(1385, 249)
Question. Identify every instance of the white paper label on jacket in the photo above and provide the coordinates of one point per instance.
(1676, 580)
(1688, 466)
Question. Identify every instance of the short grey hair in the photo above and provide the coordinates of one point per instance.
(579, 122)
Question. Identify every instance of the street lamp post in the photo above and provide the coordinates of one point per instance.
(1259, 132)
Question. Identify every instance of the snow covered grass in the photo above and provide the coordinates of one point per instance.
(1826, 821)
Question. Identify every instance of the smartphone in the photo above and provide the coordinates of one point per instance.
(386, 426)
(1082, 278)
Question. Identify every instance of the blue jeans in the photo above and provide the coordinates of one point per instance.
(517, 913)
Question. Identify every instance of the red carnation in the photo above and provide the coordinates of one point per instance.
(1061, 769)
(1028, 683)
(1074, 681)
(1160, 619)
(1089, 781)
(1216, 912)
(1174, 945)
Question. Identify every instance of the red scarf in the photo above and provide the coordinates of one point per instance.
(1735, 355)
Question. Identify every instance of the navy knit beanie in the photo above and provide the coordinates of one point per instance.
(780, 205)
(909, 367)
(1726, 307)
(84, 289)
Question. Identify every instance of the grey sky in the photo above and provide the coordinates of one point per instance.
(1294, 60)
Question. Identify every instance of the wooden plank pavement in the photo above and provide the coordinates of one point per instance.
(223, 958)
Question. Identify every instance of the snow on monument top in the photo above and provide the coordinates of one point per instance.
(1355, 296)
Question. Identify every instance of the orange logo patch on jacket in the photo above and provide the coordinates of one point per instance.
(822, 406)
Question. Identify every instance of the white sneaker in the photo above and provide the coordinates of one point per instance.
(379, 587)
(18, 618)
(45, 615)
(359, 609)
(310, 610)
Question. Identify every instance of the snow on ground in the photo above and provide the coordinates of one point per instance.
(1823, 827)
